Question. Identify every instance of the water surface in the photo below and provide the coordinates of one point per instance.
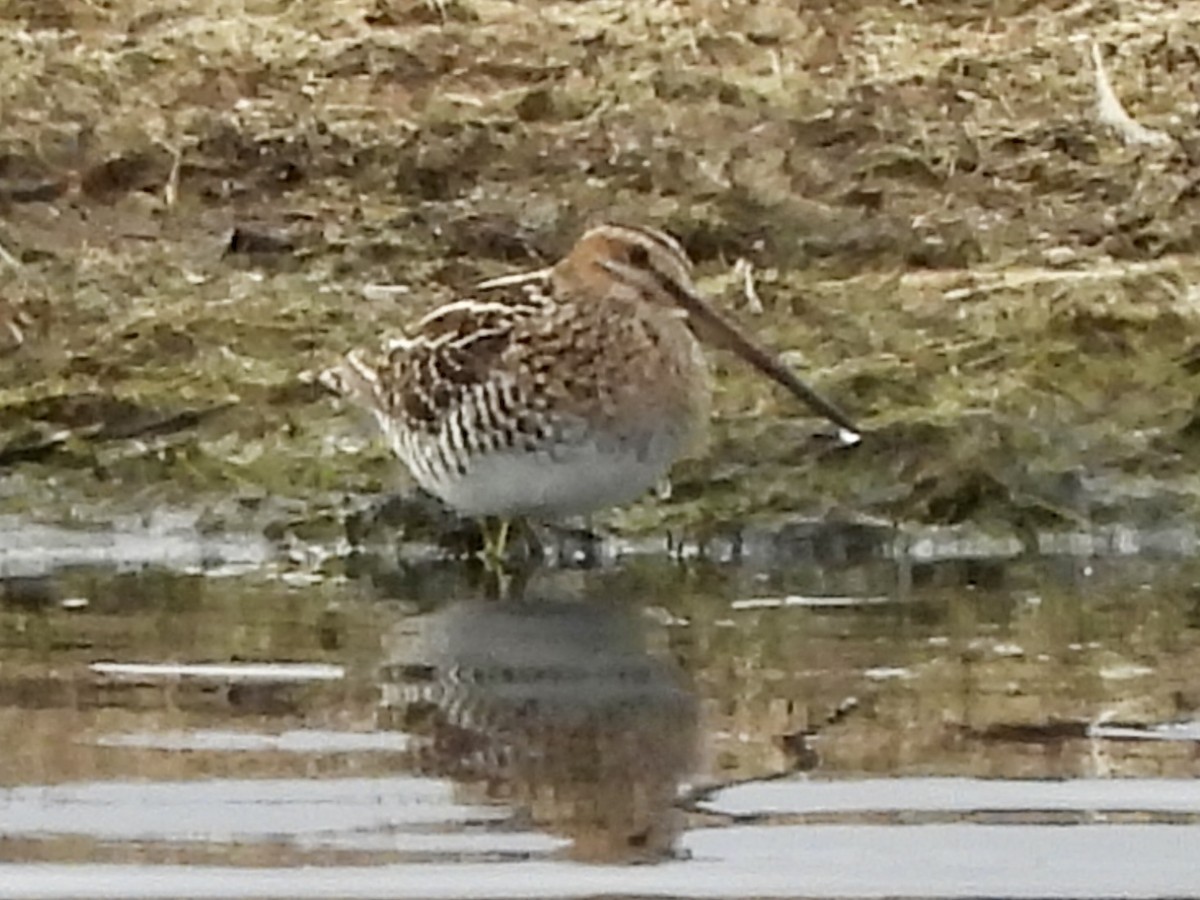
(868, 726)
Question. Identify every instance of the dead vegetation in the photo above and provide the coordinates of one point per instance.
(200, 202)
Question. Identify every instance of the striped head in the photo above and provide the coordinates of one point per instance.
(625, 259)
(647, 265)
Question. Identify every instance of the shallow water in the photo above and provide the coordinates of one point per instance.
(869, 726)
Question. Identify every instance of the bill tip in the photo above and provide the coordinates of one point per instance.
(849, 438)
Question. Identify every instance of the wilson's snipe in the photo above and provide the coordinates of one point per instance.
(560, 392)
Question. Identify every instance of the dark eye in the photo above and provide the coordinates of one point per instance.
(639, 256)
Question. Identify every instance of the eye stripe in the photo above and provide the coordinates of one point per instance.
(663, 240)
(641, 235)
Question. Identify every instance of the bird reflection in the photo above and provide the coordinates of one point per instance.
(553, 708)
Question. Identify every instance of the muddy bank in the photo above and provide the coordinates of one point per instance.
(200, 206)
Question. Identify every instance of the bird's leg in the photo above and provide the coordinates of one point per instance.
(505, 581)
(492, 557)
(501, 544)
(494, 545)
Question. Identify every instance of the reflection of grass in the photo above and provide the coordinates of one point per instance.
(940, 236)
(998, 679)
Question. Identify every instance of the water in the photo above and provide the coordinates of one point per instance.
(856, 725)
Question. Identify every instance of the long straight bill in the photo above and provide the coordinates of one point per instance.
(723, 332)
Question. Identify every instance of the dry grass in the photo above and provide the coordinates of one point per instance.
(937, 227)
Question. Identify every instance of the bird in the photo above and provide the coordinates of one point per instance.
(557, 393)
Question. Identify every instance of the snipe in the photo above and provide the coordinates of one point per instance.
(560, 392)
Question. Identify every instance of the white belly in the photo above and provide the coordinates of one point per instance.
(568, 480)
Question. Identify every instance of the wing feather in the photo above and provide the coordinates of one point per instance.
(457, 364)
